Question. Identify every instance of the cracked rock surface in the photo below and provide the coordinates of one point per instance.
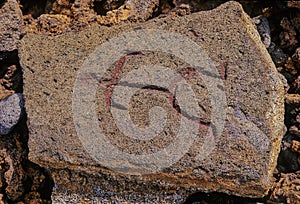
(246, 152)
(23, 181)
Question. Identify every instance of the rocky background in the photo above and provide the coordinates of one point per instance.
(22, 181)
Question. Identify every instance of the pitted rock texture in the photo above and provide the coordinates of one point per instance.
(263, 28)
(11, 111)
(245, 154)
(287, 189)
(55, 17)
(11, 30)
(11, 26)
(21, 181)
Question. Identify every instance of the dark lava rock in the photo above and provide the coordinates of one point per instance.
(263, 28)
(278, 56)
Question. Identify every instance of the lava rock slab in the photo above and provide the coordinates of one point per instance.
(245, 153)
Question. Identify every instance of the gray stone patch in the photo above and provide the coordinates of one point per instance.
(11, 110)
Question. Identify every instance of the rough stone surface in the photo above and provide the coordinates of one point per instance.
(13, 155)
(11, 25)
(11, 30)
(142, 10)
(293, 107)
(296, 58)
(9, 80)
(288, 157)
(11, 110)
(293, 4)
(21, 181)
(278, 56)
(295, 146)
(56, 17)
(289, 35)
(287, 189)
(263, 28)
(246, 153)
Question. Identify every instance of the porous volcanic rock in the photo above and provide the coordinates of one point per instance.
(244, 154)
(21, 181)
(12, 26)
(287, 189)
(11, 30)
(11, 110)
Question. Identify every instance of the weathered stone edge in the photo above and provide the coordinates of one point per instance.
(275, 113)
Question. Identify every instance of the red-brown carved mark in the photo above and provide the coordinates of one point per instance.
(224, 70)
(195, 33)
(114, 80)
(186, 73)
(189, 73)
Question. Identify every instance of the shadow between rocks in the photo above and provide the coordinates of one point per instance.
(219, 198)
(20, 179)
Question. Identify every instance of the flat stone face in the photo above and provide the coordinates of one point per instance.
(180, 117)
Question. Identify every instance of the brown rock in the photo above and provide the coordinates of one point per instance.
(183, 9)
(296, 58)
(296, 22)
(290, 67)
(142, 10)
(244, 153)
(10, 77)
(81, 10)
(294, 4)
(11, 30)
(16, 183)
(115, 16)
(294, 130)
(296, 85)
(289, 36)
(292, 111)
(48, 23)
(41, 186)
(295, 146)
(4, 92)
(293, 99)
(284, 82)
(14, 154)
(287, 189)
(20, 180)
(11, 80)
(11, 25)
(62, 7)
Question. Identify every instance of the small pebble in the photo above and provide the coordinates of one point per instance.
(11, 110)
